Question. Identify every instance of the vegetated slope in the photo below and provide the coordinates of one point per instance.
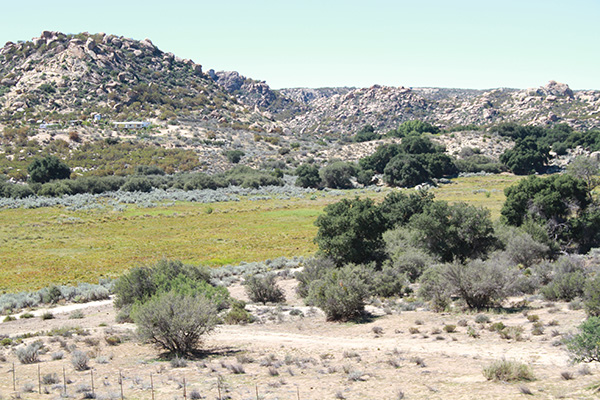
(386, 107)
(61, 76)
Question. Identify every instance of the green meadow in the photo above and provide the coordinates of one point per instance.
(39, 247)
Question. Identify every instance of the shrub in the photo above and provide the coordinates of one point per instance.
(80, 360)
(313, 270)
(341, 294)
(47, 315)
(263, 289)
(389, 281)
(591, 296)
(175, 322)
(480, 284)
(508, 371)
(50, 379)
(234, 156)
(77, 314)
(112, 340)
(31, 353)
(238, 314)
(450, 328)
(141, 283)
(137, 184)
(585, 345)
(178, 362)
(565, 286)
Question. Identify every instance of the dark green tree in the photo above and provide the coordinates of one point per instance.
(382, 156)
(526, 157)
(337, 175)
(366, 134)
(48, 168)
(414, 127)
(308, 176)
(458, 231)
(405, 170)
(234, 156)
(558, 202)
(418, 144)
(397, 208)
(350, 231)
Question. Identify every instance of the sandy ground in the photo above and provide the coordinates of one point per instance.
(305, 357)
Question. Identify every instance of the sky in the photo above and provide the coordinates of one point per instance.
(477, 44)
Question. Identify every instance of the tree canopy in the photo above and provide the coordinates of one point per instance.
(48, 168)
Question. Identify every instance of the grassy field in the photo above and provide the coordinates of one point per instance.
(53, 245)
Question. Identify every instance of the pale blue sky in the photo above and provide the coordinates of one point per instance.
(464, 43)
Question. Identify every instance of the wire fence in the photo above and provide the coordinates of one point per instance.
(92, 385)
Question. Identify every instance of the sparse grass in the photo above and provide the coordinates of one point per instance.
(77, 314)
(450, 328)
(533, 318)
(508, 371)
(377, 330)
(47, 315)
(567, 375)
(178, 362)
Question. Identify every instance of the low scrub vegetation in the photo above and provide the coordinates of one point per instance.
(508, 371)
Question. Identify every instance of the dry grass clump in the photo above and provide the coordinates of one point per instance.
(508, 371)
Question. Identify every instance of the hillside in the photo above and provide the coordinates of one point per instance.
(60, 77)
(52, 86)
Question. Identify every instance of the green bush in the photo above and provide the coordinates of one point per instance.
(141, 283)
(137, 184)
(234, 156)
(175, 322)
(568, 280)
(238, 314)
(591, 296)
(340, 293)
(314, 269)
(31, 353)
(390, 281)
(508, 371)
(263, 289)
(585, 345)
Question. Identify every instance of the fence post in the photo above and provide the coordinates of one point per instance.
(121, 383)
(218, 387)
(64, 380)
(298, 392)
(256, 387)
(39, 381)
(92, 376)
(14, 379)
(184, 394)
(152, 386)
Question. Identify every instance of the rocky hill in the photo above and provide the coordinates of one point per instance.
(64, 78)
(58, 76)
